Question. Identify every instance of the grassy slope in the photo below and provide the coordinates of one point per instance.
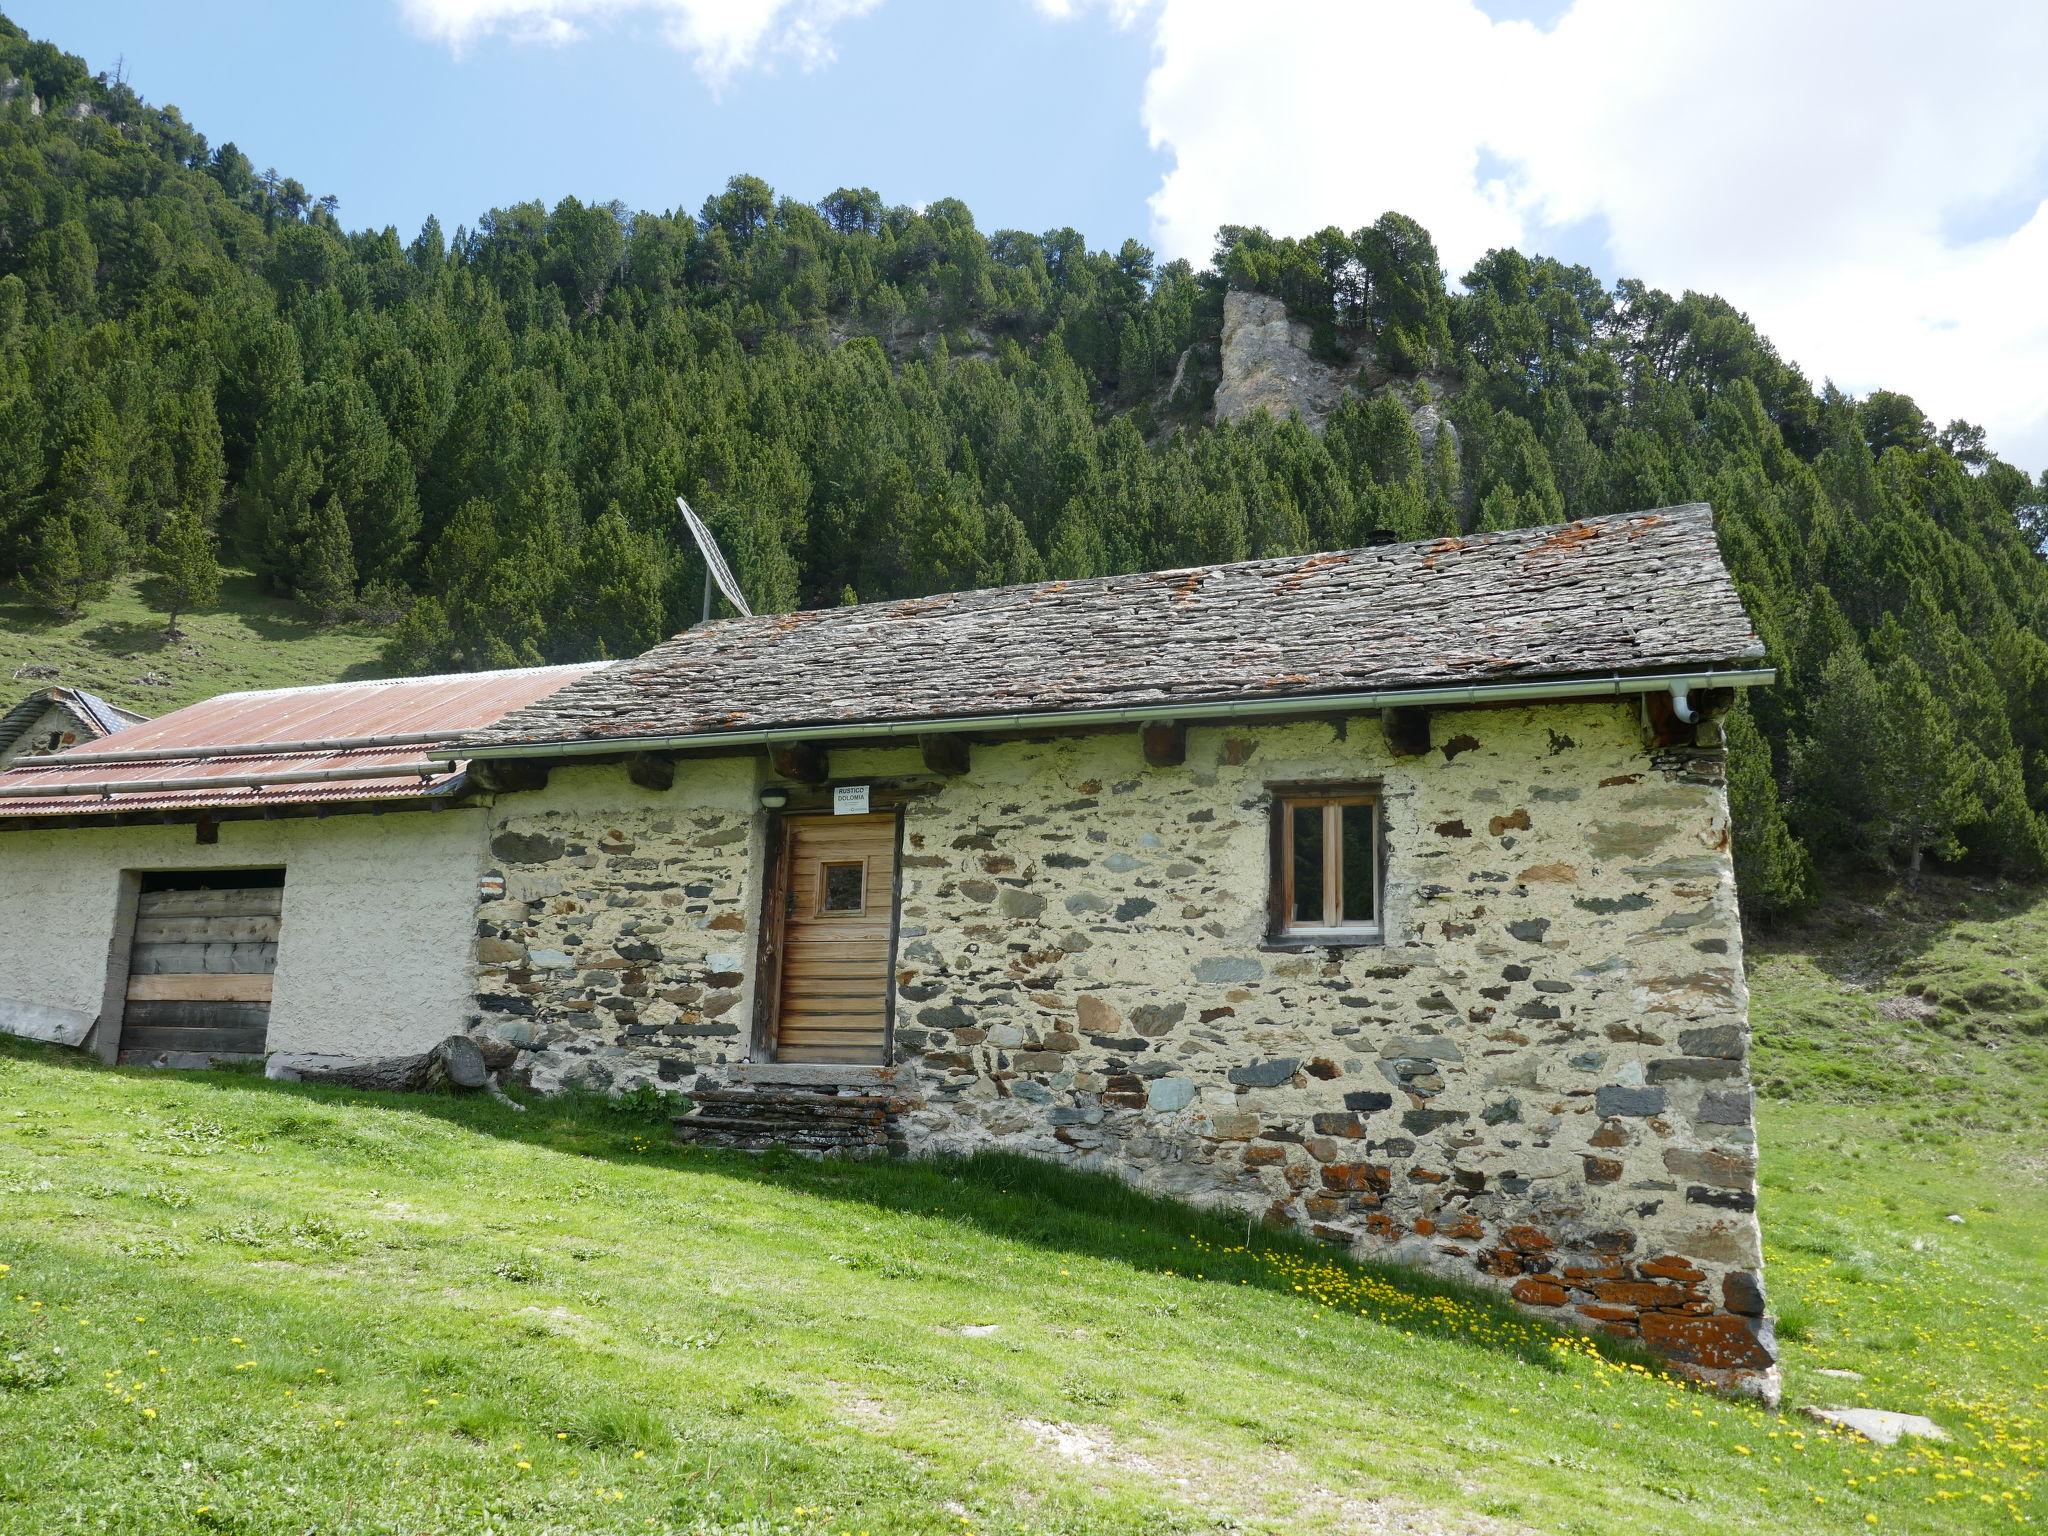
(1902, 1051)
(241, 1306)
(246, 640)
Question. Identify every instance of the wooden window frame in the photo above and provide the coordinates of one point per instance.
(1328, 801)
(822, 912)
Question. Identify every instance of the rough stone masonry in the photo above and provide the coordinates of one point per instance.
(1539, 1079)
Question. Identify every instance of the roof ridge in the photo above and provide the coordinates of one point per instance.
(341, 684)
(1464, 541)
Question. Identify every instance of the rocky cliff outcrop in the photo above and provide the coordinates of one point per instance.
(1267, 364)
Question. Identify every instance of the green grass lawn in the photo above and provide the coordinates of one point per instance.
(240, 1306)
(117, 647)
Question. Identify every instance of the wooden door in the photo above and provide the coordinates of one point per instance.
(838, 939)
(199, 972)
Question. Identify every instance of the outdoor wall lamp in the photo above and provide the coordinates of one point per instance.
(774, 798)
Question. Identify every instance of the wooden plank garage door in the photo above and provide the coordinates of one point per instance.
(199, 972)
(838, 927)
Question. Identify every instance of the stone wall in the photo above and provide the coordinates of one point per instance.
(1539, 1080)
(53, 721)
(622, 948)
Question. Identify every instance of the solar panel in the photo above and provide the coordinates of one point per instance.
(714, 559)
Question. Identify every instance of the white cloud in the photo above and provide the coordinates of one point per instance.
(721, 37)
(1804, 161)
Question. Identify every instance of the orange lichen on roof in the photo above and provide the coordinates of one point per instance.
(1309, 566)
(1570, 536)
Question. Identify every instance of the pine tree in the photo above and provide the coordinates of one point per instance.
(1773, 871)
(187, 569)
(81, 546)
(326, 575)
(1445, 487)
(55, 572)
(1839, 765)
(1927, 789)
(21, 471)
(615, 597)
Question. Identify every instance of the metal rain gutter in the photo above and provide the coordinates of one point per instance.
(243, 749)
(109, 788)
(1616, 684)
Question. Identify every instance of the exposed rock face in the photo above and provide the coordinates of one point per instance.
(1425, 410)
(1266, 364)
(1538, 1081)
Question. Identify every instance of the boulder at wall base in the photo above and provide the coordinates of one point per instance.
(1880, 1425)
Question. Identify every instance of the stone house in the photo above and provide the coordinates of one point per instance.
(52, 719)
(1384, 893)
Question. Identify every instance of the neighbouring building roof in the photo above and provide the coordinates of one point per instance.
(1642, 593)
(182, 756)
(90, 715)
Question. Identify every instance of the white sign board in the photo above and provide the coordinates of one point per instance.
(850, 800)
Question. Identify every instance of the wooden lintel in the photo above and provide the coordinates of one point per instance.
(652, 770)
(1166, 743)
(802, 761)
(1406, 730)
(509, 775)
(945, 755)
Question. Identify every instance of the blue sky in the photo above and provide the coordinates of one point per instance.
(925, 99)
(1874, 195)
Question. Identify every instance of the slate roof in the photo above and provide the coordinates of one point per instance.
(109, 718)
(1638, 593)
(303, 728)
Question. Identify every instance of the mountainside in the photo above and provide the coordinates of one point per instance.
(481, 437)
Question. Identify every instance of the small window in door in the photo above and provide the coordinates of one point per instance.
(843, 887)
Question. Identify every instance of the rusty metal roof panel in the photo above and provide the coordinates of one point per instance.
(454, 703)
(1636, 593)
(448, 705)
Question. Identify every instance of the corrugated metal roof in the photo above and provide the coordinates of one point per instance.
(447, 706)
(453, 702)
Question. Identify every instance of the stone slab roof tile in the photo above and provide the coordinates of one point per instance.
(1642, 592)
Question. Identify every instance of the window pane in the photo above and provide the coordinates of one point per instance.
(843, 884)
(1358, 864)
(1308, 866)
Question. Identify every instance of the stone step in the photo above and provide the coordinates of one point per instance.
(861, 1114)
(805, 1129)
(810, 1119)
(796, 1097)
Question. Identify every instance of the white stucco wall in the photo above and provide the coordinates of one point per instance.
(374, 951)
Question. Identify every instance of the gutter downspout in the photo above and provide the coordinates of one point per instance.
(1615, 685)
(1681, 704)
